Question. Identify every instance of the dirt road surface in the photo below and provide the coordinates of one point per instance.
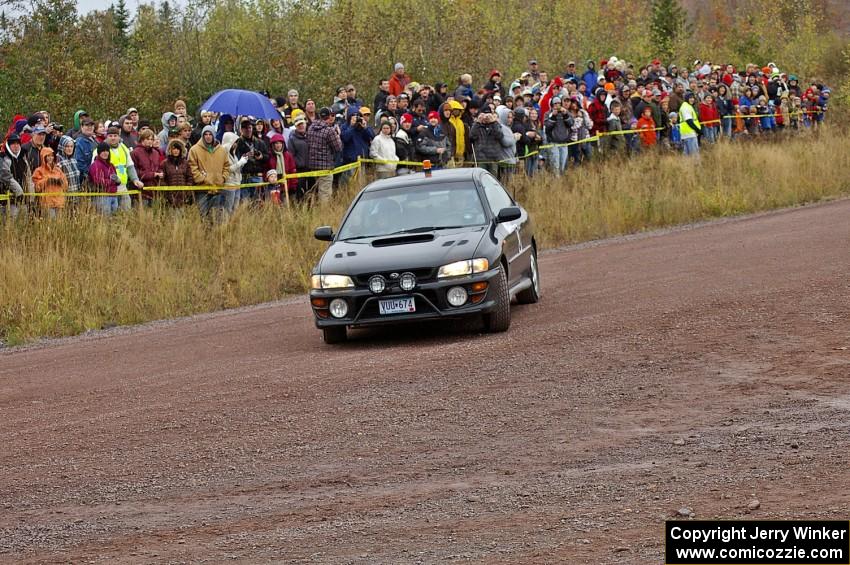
(700, 369)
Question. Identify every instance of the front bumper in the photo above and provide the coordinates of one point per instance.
(430, 297)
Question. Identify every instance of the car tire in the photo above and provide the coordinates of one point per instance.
(335, 334)
(532, 294)
(499, 320)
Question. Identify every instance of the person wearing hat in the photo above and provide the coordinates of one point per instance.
(404, 140)
(32, 149)
(292, 103)
(74, 132)
(494, 84)
(85, 149)
(175, 172)
(487, 141)
(457, 132)
(570, 73)
(257, 151)
(534, 71)
(689, 125)
(398, 80)
(210, 166)
(432, 143)
(598, 111)
(356, 135)
(324, 144)
(300, 153)
(104, 178)
(119, 156)
(133, 115)
(556, 124)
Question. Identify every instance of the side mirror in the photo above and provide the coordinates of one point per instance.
(324, 233)
(508, 214)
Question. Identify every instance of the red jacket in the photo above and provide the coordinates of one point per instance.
(147, 161)
(397, 84)
(599, 115)
(708, 113)
(288, 162)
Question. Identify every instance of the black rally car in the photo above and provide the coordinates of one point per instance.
(446, 244)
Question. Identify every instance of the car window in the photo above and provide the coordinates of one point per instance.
(395, 210)
(497, 198)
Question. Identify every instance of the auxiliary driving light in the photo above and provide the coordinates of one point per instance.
(407, 282)
(456, 296)
(377, 284)
(339, 308)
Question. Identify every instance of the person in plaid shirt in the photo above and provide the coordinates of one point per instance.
(324, 142)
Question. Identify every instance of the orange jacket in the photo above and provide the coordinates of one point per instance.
(50, 179)
(647, 136)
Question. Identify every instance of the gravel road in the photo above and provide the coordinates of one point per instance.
(688, 372)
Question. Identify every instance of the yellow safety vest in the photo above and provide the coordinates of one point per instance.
(687, 131)
(119, 157)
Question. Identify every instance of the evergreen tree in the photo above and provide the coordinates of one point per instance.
(669, 22)
(121, 22)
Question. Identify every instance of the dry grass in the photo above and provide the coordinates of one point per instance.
(84, 272)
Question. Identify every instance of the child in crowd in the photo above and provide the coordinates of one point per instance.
(675, 132)
(646, 125)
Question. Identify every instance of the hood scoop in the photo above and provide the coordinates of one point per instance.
(403, 239)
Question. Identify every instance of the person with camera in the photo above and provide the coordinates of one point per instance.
(487, 141)
(257, 152)
(557, 124)
(357, 136)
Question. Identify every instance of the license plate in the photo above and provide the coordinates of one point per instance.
(397, 306)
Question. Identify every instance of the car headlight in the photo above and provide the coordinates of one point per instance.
(457, 296)
(377, 284)
(318, 282)
(461, 268)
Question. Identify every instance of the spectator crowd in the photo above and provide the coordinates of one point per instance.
(535, 121)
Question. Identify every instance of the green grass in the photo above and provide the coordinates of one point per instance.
(84, 272)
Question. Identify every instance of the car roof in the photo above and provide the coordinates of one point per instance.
(419, 179)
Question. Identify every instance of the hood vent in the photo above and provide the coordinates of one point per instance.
(403, 240)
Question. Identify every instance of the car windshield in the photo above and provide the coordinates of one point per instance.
(414, 209)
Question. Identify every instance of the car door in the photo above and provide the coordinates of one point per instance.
(514, 247)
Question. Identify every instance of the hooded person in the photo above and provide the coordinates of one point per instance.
(74, 132)
(104, 179)
(210, 166)
(234, 172)
(382, 149)
(282, 161)
(15, 173)
(175, 172)
(508, 160)
(487, 136)
(590, 76)
(68, 163)
(169, 122)
(457, 132)
(49, 178)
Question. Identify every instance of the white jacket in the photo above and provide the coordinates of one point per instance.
(234, 176)
(383, 148)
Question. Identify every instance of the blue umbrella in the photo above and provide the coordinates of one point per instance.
(241, 103)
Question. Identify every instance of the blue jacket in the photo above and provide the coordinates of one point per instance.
(589, 77)
(84, 154)
(355, 142)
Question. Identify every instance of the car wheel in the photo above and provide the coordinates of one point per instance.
(334, 334)
(499, 320)
(532, 294)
